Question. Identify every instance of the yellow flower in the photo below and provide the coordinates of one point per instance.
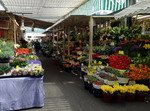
(120, 89)
(130, 89)
(147, 46)
(107, 89)
(141, 88)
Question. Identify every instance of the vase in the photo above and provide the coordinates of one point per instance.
(108, 98)
(141, 97)
(120, 98)
(130, 97)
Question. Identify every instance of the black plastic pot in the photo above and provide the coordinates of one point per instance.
(4, 60)
(97, 93)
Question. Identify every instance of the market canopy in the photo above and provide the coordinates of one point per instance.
(45, 10)
(29, 22)
(141, 7)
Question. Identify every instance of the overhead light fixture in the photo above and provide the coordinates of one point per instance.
(22, 24)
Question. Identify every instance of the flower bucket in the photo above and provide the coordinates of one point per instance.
(97, 93)
(120, 98)
(108, 98)
(90, 87)
(86, 85)
(130, 97)
(141, 97)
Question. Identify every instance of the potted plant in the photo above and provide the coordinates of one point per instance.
(17, 61)
(107, 94)
(120, 92)
(142, 91)
(91, 80)
(130, 93)
(97, 92)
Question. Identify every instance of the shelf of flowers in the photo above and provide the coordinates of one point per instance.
(120, 62)
(18, 62)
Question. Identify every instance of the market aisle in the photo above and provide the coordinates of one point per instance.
(65, 92)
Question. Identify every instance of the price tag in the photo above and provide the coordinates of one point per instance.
(121, 52)
(132, 65)
(139, 54)
(131, 83)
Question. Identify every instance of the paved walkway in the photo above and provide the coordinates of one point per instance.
(65, 92)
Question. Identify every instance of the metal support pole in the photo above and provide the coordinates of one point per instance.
(69, 41)
(15, 39)
(91, 40)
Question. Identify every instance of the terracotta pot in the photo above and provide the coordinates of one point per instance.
(120, 98)
(108, 98)
(130, 97)
(141, 97)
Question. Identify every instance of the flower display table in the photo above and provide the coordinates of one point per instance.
(21, 93)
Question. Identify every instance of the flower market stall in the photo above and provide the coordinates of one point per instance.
(21, 78)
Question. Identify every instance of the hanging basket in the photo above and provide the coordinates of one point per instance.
(108, 98)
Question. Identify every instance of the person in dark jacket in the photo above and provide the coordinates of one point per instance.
(37, 46)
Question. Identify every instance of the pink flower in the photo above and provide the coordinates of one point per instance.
(22, 59)
(11, 61)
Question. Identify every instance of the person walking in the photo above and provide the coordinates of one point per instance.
(37, 46)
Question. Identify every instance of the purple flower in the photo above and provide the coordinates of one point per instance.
(134, 47)
(116, 49)
(34, 62)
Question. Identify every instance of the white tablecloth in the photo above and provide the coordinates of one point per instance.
(21, 93)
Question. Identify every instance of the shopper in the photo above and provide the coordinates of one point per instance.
(37, 46)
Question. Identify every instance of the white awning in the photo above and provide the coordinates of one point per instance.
(141, 7)
(46, 10)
